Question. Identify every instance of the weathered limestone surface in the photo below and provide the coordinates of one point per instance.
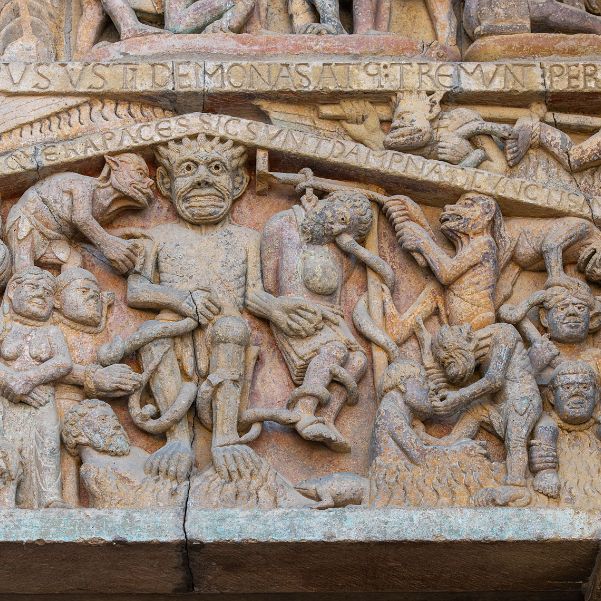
(300, 299)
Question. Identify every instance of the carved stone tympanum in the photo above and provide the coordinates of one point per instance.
(314, 282)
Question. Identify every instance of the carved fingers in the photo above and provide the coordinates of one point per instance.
(400, 209)
(173, 461)
(518, 143)
(234, 462)
(297, 317)
(362, 123)
(207, 306)
(454, 150)
(123, 255)
(116, 380)
(411, 236)
(447, 403)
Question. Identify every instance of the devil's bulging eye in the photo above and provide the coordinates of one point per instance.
(216, 168)
(187, 168)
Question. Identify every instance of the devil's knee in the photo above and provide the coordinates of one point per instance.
(335, 352)
(230, 330)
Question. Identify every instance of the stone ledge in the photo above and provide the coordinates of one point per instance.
(466, 551)
(516, 554)
(89, 551)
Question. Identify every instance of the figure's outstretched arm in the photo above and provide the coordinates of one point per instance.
(586, 154)
(446, 269)
(502, 347)
(143, 294)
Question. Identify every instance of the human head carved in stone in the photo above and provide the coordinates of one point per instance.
(411, 380)
(340, 212)
(574, 391)
(202, 177)
(30, 294)
(127, 174)
(568, 310)
(93, 423)
(79, 299)
(412, 120)
(454, 348)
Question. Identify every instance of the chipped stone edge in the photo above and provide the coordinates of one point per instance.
(391, 525)
(92, 525)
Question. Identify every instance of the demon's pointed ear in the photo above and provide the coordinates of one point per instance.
(163, 181)
(241, 179)
(434, 105)
(595, 323)
(542, 315)
(112, 162)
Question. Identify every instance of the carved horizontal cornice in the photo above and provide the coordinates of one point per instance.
(301, 75)
(432, 182)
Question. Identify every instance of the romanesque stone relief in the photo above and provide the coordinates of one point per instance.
(338, 279)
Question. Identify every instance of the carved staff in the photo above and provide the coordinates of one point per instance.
(305, 179)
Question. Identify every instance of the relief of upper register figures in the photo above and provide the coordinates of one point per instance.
(233, 278)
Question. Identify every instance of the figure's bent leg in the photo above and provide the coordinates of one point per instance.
(47, 468)
(355, 366)
(91, 22)
(363, 15)
(126, 21)
(558, 239)
(329, 14)
(543, 457)
(444, 21)
(183, 17)
(550, 15)
(382, 16)
(517, 433)
(230, 337)
(314, 392)
(165, 384)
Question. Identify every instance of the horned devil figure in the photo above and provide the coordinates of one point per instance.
(490, 254)
(200, 273)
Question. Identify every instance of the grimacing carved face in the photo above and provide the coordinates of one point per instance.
(411, 129)
(202, 187)
(104, 432)
(569, 320)
(131, 177)
(33, 298)
(81, 302)
(468, 215)
(575, 396)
